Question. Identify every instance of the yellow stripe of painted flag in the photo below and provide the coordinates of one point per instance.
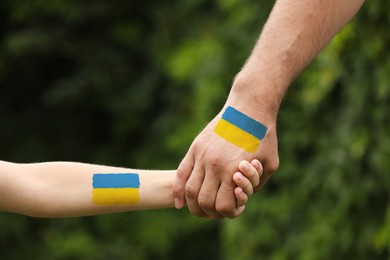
(115, 196)
(237, 136)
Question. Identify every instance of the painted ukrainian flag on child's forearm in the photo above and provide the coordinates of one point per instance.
(241, 130)
(115, 188)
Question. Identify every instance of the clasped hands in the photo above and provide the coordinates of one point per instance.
(206, 176)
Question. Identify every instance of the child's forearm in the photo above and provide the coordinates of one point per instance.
(65, 189)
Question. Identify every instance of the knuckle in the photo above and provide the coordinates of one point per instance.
(191, 192)
(205, 203)
(216, 162)
(181, 173)
(178, 189)
(181, 178)
(225, 210)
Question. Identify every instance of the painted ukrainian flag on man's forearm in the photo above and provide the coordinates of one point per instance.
(241, 130)
(115, 188)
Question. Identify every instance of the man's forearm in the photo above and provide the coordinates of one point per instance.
(294, 34)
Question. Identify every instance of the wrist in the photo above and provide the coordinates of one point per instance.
(156, 189)
(258, 98)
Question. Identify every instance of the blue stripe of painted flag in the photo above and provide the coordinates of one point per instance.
(115, 180)
(244, 122)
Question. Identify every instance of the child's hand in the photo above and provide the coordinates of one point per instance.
(247, 179)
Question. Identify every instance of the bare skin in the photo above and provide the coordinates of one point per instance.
(64, 189)
(295, 32)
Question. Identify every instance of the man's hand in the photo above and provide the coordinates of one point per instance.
(293, 35)
(204, 178)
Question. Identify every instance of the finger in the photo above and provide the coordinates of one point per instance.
(192, 189)
(260, 170)
(225, 203)
(250, 172)
(208, 195)
(241, 197)
(258, 166)
(241, 181)
(183, 173)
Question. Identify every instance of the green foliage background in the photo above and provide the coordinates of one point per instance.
(131, 83)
